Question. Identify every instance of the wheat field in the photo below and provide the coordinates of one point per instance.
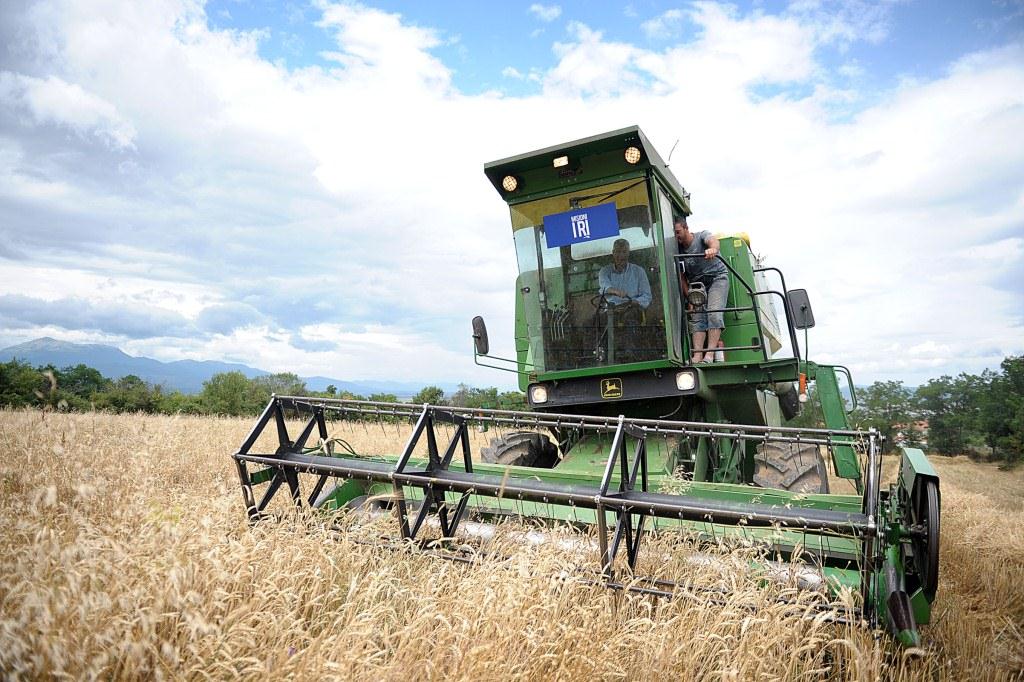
(126, 555)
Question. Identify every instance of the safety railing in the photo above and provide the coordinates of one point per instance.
(762, 345)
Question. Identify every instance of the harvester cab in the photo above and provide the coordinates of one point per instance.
(596, 335)
(571, 206)
(625, 436)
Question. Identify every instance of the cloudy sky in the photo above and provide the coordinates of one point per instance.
(299, 186)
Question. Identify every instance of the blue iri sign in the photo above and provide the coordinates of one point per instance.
(581, 225)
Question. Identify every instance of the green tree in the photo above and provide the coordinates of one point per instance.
(232, 393)
(180, 403)
(283, 383)
(129, 394)
(21, 385)
(82, 380)
(429, 394)
(1002, 410)
(951, 408)
(888, 407)
(80, 385)
(466, 396)
(512, 400)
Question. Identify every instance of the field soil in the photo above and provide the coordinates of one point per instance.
(125, 554)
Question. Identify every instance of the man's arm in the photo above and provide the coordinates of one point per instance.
(644, 287)
(603, 283)
(711, 247)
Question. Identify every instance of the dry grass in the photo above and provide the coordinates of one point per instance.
(125, 554)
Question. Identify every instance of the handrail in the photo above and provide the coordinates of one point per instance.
(753, 308)
(849, 381)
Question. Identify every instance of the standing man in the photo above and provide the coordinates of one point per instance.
(705, 324)
(622, 281)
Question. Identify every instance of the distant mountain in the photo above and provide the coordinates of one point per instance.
(182, 375)
(186, 376)
(401, 389)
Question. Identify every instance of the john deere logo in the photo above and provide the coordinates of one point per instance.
(611, 388)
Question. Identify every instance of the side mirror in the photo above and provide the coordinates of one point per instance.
(800, 308)
(480, 336)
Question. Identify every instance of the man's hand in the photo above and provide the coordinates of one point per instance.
(615, 292)
(710, 253)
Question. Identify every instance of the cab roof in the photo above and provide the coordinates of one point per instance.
(589, 159)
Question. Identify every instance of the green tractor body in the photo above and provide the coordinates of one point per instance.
(625, 435)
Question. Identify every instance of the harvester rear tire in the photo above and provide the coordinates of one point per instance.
(521, 448)
(797, 467)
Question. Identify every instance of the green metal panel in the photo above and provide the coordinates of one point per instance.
(262, 476)
(922, 607)
(834, 411)
(345, 493)
(524, 357)
(589, 456)
(740, 326)
(893, 566)
(914, 464)
(603, 370)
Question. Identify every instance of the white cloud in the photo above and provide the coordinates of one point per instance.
(592, 66)
(52, 100)
(376, 44)
(346, 204)
(545, 13)
(843, 22)
(665, 25)
(512, 72)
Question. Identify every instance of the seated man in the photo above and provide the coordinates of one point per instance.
(622, 281)
(708, 322)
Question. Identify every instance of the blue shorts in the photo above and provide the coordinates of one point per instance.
(711, 316)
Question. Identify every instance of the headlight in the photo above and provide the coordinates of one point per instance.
(538, 394)
(509, 183)
(560, 161)
(632, 155)
(686, 380)
(697, 296)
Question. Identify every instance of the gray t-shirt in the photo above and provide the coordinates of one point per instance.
(699, 268)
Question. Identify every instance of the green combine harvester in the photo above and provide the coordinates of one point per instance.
(625, 434)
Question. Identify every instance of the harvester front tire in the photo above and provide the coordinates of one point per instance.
(521, 448)
(796, 467)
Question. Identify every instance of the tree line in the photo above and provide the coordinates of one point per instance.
(976, 414)
(981, 415)
(82, 388)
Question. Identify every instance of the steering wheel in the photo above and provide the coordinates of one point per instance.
(601, 302)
